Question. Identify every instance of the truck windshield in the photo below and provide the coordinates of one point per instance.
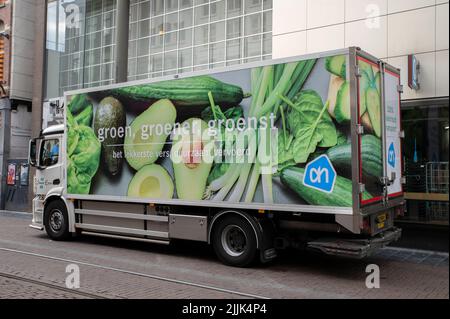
(49, 153)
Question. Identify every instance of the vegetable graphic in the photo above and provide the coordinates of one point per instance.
(342, 111)
(81, 108)
(192, 92)
(269, 84)
(191, 166)
(335, 84)
(369, 93)
(144, 144)
(310, 126)
(83, 156)
(110, 115)
(78, 103)
(374, 109)
(85, 117)
(153, 182)
(341, 196)
(341, 157)
(337, 65)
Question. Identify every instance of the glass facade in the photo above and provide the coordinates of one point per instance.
(80, 44)
(165, 37)
(176, 36)
(426, 158)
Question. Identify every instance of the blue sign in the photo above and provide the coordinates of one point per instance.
(320, 175)
(391, 155)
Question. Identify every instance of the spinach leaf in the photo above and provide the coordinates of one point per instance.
(234, 113)
(310, 125)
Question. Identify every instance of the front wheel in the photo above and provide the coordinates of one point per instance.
(56, 221)
(234, 241)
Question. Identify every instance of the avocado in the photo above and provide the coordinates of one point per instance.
(148, 135)
(374, 109)
(191, 166)
(153, 182)
(110, 119)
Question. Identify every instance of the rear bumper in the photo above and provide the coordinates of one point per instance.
(355, 248)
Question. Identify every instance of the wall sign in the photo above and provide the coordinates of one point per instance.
(413, 72)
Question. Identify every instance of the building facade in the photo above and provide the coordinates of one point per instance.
(98, 42)
(16, 92)
(392, 30)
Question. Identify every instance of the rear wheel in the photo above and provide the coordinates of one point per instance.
(56, 221)
(234, 241)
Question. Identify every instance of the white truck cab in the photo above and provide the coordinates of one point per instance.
(46, 154)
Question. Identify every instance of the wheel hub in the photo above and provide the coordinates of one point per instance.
(56, 220)
(234, 240)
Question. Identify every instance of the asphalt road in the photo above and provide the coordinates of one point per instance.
(32, 266)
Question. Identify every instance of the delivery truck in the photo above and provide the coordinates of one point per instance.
(303, 152)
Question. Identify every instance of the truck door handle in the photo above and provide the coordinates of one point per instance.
(56, 182)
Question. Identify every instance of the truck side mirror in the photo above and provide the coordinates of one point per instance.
(32, 153)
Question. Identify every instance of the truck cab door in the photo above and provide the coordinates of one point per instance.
(50, 164)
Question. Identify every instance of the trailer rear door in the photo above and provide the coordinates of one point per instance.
(380, 153)
(371, 169)
(393, 130)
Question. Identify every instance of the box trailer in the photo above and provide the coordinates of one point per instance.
(303, 152)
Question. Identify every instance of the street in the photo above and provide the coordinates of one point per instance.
(32, 266)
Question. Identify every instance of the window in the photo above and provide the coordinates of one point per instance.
(49, 153)
(425, 151)
(188, 35)
(80, 54)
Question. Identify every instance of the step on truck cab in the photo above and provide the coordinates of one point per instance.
(303, 152)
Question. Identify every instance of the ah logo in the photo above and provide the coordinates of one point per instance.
(320, 175)
(391, 155)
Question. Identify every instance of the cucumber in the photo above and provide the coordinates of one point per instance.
(378, 82)
(372, 163)
(337, 65)
(342, 110)
(366, 67)
(342, 195)
(184, 92)
(364, 84)
(374, 109)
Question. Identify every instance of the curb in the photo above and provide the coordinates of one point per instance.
(22, 215)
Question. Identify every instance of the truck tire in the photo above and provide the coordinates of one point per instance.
(234, 241)
(56, 221)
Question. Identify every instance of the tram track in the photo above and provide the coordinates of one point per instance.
(118, 270)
